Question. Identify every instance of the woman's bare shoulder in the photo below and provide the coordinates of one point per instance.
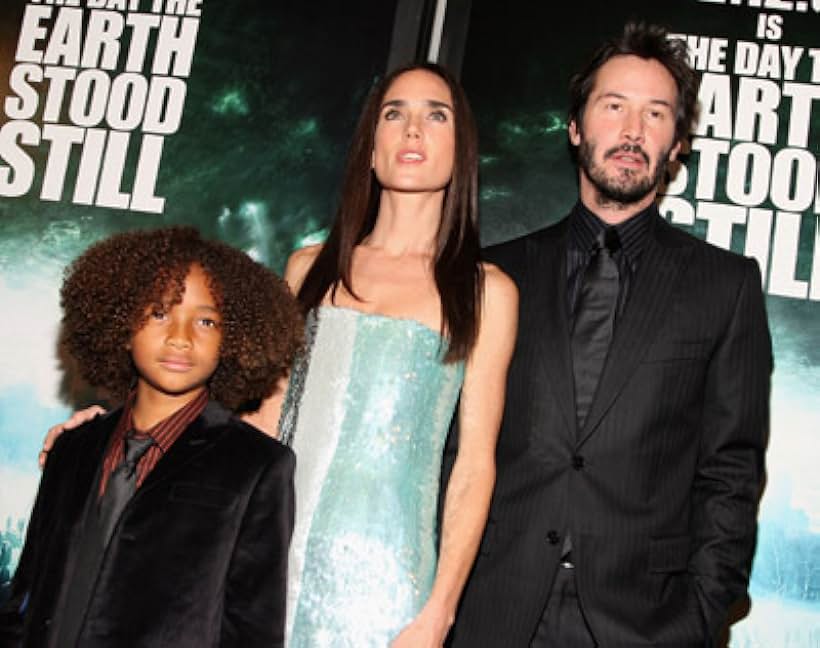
(299, 262)
(497, 284)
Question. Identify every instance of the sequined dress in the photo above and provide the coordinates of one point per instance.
(367, 412)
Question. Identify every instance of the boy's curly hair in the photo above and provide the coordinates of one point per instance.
(107, 291)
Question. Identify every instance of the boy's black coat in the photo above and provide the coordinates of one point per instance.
(198, 558)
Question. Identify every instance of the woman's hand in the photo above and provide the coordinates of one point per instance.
(427, 630)
(76, 420)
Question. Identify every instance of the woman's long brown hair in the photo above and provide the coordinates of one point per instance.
(457, 268)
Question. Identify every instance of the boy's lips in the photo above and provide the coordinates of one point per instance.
(176, 364)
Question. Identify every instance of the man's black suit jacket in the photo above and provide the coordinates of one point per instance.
(660, 487)
(199, 556)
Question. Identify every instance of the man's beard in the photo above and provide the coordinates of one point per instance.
(627, 188)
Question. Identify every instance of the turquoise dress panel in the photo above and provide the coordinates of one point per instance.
(367, 413)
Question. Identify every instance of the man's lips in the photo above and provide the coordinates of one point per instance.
(626, 154)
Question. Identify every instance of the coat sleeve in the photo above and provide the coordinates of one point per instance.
(13, 611)
(255, 589)
(730, 470)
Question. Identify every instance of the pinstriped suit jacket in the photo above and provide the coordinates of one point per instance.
(660, 487)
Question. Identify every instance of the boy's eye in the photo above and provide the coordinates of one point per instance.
(209, 323)
(158, 314)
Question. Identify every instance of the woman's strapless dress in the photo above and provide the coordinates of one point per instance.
(367, 413)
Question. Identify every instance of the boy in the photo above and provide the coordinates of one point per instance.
(166, 522)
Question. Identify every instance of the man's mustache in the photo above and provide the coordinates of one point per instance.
(635, 149)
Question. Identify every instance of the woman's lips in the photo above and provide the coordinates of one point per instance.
(411, 157)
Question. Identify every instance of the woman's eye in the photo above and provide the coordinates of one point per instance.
(391, 114)
(438, 115)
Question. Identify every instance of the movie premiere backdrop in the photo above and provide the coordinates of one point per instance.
(234, 116)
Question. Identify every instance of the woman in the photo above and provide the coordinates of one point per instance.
(404, 322)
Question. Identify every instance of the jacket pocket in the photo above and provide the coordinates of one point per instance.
(204, 496)
(669, 554)
(677, 351)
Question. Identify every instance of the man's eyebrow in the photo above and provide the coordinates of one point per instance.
(618, 95)
(433, 103)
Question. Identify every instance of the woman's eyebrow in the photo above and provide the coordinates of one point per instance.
(433, 103)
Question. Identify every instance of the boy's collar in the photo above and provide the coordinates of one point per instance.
(166, 431)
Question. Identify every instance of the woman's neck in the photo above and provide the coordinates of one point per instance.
(407, 223)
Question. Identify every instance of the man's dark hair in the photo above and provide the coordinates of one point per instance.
(108, 289)
(647, 42)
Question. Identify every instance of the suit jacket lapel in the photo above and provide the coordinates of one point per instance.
(547, 281)
(88, 455)
(197, 437)
(660, 266)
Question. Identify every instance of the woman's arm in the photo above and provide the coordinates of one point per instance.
(266, 418)
(76, 420)
(467, 500)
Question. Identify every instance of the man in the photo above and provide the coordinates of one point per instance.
(630, 460)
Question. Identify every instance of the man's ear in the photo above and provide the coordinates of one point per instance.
(574, 133)
(673, 152)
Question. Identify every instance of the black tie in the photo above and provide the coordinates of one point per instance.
(594, 320)
(121, 484)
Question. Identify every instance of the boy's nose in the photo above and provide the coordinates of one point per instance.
(179, 336)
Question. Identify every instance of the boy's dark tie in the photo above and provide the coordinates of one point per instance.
(594, 319)
(122, 483)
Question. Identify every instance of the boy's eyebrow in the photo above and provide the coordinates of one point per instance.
(432, 103)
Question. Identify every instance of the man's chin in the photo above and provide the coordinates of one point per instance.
(625, 194)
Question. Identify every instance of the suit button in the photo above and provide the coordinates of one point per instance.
(553, 538)
(577, 462)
